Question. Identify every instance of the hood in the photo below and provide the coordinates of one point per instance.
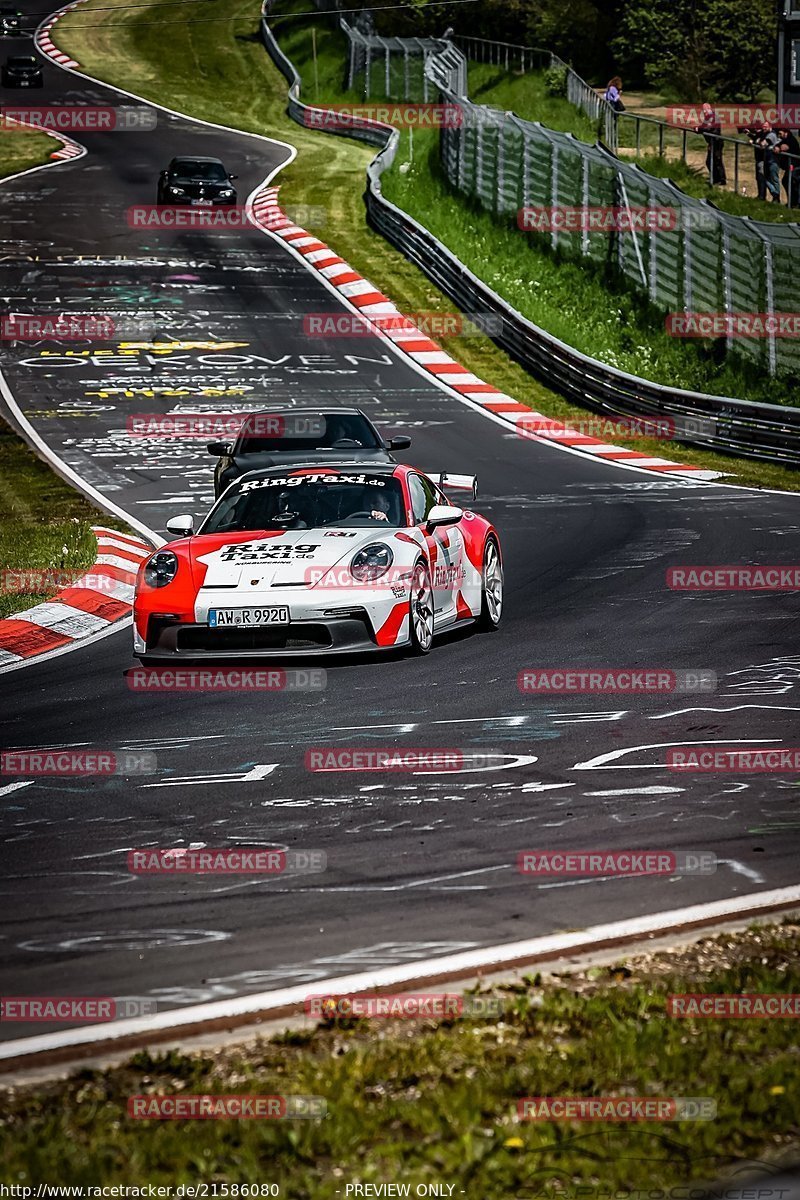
(261, 560)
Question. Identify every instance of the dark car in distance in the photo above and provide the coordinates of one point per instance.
(10, 21)
(200, 182)
(291, 436)
(22, 70)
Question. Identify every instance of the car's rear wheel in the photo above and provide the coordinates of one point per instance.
(491, 586)
(420, 612)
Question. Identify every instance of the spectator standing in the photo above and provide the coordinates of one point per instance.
(789, 161)
(613, 94)
(712, 131)
(768, 141)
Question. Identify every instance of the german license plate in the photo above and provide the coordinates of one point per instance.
(203, 203)
(249, 617)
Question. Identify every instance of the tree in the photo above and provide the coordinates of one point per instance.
(699, 49)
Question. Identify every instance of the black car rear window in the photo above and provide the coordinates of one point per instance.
(19, 60)
(345, 431)
(212, 172)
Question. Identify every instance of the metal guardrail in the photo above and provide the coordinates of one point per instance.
(745, 428)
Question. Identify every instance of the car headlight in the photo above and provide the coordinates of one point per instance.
(226, 193)
(161, 569)
(176, 191)
(371, 562)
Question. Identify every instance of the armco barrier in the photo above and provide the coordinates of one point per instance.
(769, 432)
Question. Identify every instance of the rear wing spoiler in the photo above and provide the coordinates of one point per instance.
(456, 487)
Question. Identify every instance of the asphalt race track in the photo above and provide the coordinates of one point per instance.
(418, 865)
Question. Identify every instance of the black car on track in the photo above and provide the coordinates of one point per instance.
(22, 70)
(10, 21)
(196, 181)
(290, 436)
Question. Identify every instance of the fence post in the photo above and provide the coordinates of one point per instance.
(726, 281)
(688, 296)
(367, 70)
(769, 280)
(387, 72)
(585, 201)
(501, 162)
(406, 87)
(553, 191)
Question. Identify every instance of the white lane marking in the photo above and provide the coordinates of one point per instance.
(485, 959)
(740, 869)
(13, 787)
(654, 790)
(261, 771)
(601, 761)
(588, 718)
(679, 712)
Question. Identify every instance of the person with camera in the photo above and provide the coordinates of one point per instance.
(712, 132)
(768, 141)
(789, 162)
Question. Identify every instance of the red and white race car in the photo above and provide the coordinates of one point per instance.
(315, 560)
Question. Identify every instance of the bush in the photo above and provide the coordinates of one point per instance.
(555, 81)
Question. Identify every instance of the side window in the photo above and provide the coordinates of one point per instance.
(423, 496)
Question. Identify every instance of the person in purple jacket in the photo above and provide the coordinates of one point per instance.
(614, 94)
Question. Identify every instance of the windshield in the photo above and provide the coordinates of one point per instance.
(20, 61)
(289, 432)
(212, 172)
(309, 502)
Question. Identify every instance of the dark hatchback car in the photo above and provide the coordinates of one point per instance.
(22, 70)
(10, 21)
(299, 436)
(196, 181)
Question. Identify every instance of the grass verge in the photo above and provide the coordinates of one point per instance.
(21, 149)
(435, 1101)
(44, 526)
(220, 72)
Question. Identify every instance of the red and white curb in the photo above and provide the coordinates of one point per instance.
(69, 149)
(97, 599)
(370, 302)
(44, 42)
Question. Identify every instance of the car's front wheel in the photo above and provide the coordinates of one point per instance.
(420, 611)
(491, 586)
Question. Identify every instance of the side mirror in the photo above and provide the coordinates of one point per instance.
(182, 526)
(441, 515)
(219, 449)
(232, 176)
(401, 442)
